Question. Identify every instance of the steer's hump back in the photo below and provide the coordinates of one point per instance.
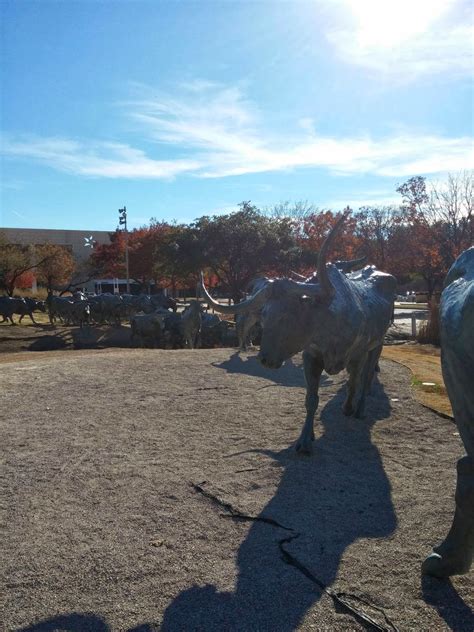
(383, 283)
(457, 304)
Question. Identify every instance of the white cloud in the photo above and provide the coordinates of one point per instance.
(215, 132)
(100, 159)
(405, 38)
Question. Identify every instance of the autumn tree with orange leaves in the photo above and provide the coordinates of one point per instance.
(55, 266)
(313, 231)
(17, 264)
(109, 259)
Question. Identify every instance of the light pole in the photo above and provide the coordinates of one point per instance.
(123, 220)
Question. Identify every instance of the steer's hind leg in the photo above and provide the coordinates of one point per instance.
(375, 369)
(31, 318)
(367, 378)
(356, 376)
(313, 367)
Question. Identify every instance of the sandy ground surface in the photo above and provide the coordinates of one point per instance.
(158, 490)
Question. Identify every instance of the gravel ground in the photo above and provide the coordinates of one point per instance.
(158, 490)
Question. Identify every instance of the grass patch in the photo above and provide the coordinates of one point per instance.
(428, 387)
(427, 379)
(42, 318)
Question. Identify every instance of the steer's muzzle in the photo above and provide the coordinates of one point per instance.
(269, 363)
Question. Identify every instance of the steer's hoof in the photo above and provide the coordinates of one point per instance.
(304, 446)
(347, 410)
(444, 566)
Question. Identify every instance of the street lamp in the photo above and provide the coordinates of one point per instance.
(123, 221)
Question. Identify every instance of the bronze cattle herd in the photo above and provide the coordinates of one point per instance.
(338, 320)
(154, 320)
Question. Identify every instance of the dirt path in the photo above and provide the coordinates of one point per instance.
(158, 490)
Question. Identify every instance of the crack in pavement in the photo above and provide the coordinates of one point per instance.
(235, 513)
(341, 600)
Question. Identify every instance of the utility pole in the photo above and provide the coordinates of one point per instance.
(123, 220)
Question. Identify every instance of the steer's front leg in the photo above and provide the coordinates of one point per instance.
(313, 367)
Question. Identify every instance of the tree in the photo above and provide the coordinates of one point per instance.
(109, 259)
(450, 206)
(178, 257)
(25, 280)
(15, 261)
(56, 266)
(441, 218)
(415, 197)
(427, 257)
(299, 210)
(148, 249)
(141, 246)
(313, 231)
(385, 234)
(238, 247)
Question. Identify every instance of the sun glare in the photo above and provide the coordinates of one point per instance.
(388, 23)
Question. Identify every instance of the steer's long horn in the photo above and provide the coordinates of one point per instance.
(254, 302)
(347, 266)
(301, 277)
(323, 277)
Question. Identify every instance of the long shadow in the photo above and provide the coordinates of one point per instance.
(73, 622)
(77, 338)
(41, 326)
(80, 622)
(442, 595)
(51, 342)
(328, 500)
(289, 374)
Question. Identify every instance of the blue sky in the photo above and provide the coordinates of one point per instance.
(178, 109)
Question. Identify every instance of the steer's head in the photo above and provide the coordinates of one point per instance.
(289, 317)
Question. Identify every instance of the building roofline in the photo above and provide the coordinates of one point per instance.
(60, 230)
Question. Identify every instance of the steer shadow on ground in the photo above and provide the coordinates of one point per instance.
(323, 501)
(442, 595)
(80, 622)
(97, 337)
(288, 375)
(73, 622)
